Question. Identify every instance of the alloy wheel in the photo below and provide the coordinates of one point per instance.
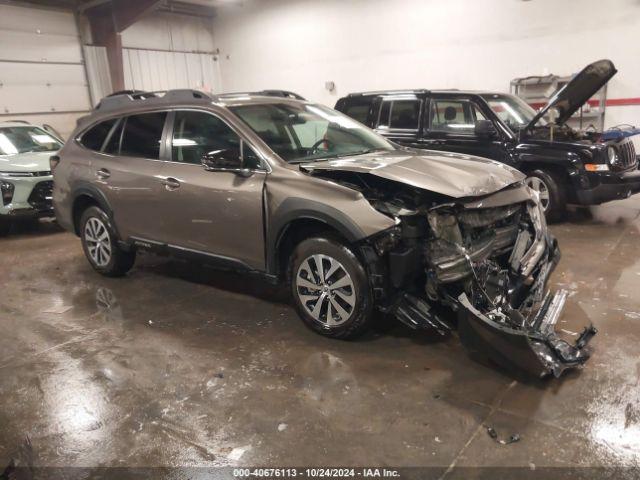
(539, 186)
(98, 241)
(326, 290)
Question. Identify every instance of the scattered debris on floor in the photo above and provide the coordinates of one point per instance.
(282, 427)
(237, 452)
(493, 434)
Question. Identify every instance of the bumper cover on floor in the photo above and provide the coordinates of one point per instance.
(536, 349)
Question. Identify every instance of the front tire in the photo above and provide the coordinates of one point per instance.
(100, 244)
(551, 190)
(330, 288)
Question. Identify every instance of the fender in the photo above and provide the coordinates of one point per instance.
(89, 190)
(301, 208)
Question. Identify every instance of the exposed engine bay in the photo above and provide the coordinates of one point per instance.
(487, 258)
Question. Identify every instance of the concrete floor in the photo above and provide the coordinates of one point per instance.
(180, 365)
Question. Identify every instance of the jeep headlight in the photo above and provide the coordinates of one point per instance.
(612, 155)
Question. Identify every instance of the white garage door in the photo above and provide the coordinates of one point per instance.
(42, 75)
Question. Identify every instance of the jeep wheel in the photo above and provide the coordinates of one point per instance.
(100, 244)
(330, 288)
(552, 195)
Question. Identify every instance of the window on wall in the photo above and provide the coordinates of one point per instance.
(142, 135)
(454, 116)
(94, 138)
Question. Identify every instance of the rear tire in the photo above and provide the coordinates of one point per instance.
(327, 271)
(100, 244)
(552, 194)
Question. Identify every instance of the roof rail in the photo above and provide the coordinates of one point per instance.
(128, 97)
(16, 121)
(266, 93)
(390, 92)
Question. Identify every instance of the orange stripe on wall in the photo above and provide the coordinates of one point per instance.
(611, 102)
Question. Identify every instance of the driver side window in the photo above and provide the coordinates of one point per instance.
(454, 116)
(197, 133)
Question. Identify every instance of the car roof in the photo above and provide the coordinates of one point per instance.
(139, 101)
(16, 123)
(423, 91)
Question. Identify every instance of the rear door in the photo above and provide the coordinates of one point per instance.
(450, 126)
(128, 170)
(399, 118)
(217, 212)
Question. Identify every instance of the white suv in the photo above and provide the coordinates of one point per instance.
(26, 182)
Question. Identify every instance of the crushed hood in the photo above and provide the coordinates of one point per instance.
(581, 88)
(451, 174)
(26, 162)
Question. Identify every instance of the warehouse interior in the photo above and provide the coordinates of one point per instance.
(180, 369)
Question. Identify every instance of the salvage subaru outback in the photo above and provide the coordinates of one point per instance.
(298, 192)
(25, 177)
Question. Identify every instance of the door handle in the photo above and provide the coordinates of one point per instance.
(170, 183)
(103, 174)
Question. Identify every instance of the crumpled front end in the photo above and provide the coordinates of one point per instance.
(489, 260)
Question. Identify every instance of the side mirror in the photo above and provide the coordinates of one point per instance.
(224, 161)
(485, 129)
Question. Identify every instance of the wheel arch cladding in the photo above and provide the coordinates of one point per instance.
(294, 216)
(84, 197)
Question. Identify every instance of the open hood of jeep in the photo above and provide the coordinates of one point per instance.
(581, 88)
(450, 174)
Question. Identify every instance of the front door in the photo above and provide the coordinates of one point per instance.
(216, 212)
(451, 127)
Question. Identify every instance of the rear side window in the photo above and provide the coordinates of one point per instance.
(358, 110)
(113, 141)
(142, 135)
(94, 138)
(405, 114)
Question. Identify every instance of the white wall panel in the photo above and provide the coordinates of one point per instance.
(42, 75)
(468, 44)
(97, 72)
(165, 31)
(159, 70)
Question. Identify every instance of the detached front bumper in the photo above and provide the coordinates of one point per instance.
(594, 188)
(520, 332)
(535, 349)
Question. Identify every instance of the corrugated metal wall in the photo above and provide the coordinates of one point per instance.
(42, 75)
(163, 70)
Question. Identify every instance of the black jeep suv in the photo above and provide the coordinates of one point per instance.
(563, 165)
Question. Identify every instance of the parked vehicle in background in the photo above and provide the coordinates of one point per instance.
(300, 193)
(565, 166)
(26, 182)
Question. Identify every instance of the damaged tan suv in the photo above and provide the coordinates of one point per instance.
(301, 193)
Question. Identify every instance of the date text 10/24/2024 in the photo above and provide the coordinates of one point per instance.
(315, 473)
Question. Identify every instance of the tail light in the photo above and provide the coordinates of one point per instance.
(54, 160)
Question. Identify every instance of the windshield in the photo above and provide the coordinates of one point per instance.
(14, 140)
(512, 110)
(300, 132)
